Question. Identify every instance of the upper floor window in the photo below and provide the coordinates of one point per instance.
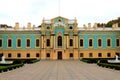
(48, 42)
(0, 42)
(71, 42)
(19, 43)
(37, 42)
(99, 42)
(108, 42)
(9, 42)
(81, 42)
(28, 42)
(90, 42)
(117, 42)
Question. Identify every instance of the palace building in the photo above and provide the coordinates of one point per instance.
(59, 38)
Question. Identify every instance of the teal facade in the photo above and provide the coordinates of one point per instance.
(60, 36)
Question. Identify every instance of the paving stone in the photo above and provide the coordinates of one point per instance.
(61, 70)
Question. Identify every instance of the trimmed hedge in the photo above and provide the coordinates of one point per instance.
(95, 60)
(16, 61)
(111, 66)
(10, 67)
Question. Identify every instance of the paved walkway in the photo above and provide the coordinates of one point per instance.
(61, 70)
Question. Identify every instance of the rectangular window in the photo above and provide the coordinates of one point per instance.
(90, 42)
(9, 55)
(19, 43)
(0, 42)
(108, 54)
(99, 54)
(18, 55)
(9, 43)
(81, 42)
(117, 42)
(28, 55)
(108, 42)
(37, 42)
(81, 55)
(71, 42)
(90, 54)
(28, 42)
(48, 42)
(99, 42)
(37, 55)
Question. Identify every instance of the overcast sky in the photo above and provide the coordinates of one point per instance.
(85, 11)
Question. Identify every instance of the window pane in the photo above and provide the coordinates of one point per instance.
(99, 54)
(48, 42)
(28, 54)
(19, 43)
(108, 55)
(37, 42)
(9, 55)
(37, 55)
(90, 42)
(81, 42)
(99, 42)
(48, 55)
(71, 42)
(108, 42)
(0, 43)
(90, 55)
(117, 42)
(9, 42)
(28, 42)
(71, 55)
(18, 55)
(81, 55)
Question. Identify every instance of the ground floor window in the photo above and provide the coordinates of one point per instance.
(71, 55)
(90, 54)
(99, 54)
(18, 55)
(81, 55)
(37, 55)
(9, 55)
(28, 55)
(108, 54)
(48, 55)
